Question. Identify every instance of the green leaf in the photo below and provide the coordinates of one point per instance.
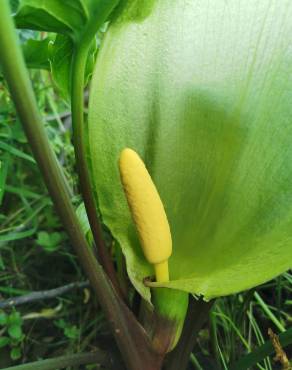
(71, 332)
(75, 22)
(4, 170)
(61, 323)
(50, 241)
(66, 16)
(14, 318)
(15, 331)
(4, 341)
(16, 152)
(3, 318)
(83, 219)
(2, 264)
(61, 54)
(36, 53)
(84, 222)
(204, 95)
(14, 5)
(15, 353)
(73, 18)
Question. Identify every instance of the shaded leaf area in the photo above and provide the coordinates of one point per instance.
(67, 17)
(70, 20)
(54, 53)
(14, 5)
(60, 56)
(36, 53)
(204, 95)
(73, 18)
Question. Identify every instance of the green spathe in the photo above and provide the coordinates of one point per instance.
(204, 95)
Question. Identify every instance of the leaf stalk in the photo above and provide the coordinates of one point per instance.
(79, 137)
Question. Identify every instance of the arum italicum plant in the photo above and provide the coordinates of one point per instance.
(203, 93)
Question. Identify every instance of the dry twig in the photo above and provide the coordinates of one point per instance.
(280, 353)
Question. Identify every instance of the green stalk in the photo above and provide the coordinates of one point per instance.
(130, 336)
(214, 339)
(171, 307)
(268, 312)
(197, 315)
(77, 107)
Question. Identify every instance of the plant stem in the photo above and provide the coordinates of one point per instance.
(77, 106)
(99, 357)
(195, 362)
(130, 336)
(196, 317)
(99, 14)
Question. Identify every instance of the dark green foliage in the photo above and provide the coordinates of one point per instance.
(36, 53)
(66, 17)
(60, 56)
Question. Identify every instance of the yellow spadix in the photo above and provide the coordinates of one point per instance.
(147, 211)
